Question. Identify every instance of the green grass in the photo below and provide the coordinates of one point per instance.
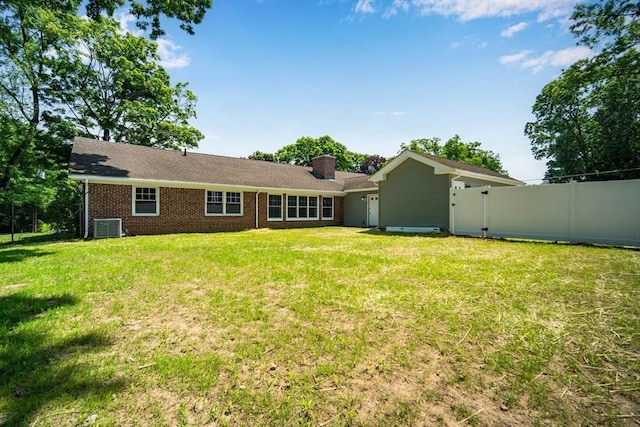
(318, 327)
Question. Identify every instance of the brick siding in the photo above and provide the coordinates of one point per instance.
(182, 210)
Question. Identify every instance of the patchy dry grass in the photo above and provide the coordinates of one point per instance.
(318, 327)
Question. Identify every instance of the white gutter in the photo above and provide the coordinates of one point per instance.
(96, 179)
(257, 223)
(86, 208)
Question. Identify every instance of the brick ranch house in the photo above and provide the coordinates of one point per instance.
(133, 189)
(156, 191)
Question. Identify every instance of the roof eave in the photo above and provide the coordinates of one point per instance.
(491, 178)
(439, 169)
(360, 190)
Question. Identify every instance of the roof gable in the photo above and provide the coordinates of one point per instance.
(443, 166)
(110, 161)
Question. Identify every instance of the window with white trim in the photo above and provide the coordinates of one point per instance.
(302, 207)
(145, 201)
(275, 207)
(327, 208)
(233, 205)
(223, 203)
(313, 207)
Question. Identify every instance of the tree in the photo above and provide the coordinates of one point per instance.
(456, 149)
(372, 164)
(259, 155)
(306, 148)
(56, 66)
(150, 12)
(423, 145)
(587, 122)
(613, 25)
(29, 37)
(39, 188)
(34, 34)
(112, 88)
(561, 130)
(63, 75)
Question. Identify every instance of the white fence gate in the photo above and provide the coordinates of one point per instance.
(594, 212)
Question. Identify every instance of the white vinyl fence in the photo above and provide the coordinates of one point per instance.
(594, 212)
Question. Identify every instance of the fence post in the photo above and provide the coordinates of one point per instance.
(485, 211)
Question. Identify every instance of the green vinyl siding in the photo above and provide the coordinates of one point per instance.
(355, 209)
(413, 196)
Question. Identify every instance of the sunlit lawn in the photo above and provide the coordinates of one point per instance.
(331, 326)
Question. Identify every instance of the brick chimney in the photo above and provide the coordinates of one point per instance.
(324, 167)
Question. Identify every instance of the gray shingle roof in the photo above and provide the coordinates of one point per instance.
(359, 183)
(90, 157)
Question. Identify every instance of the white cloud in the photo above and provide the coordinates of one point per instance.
(398, 113)
(467, 10)
(560, 58)
(470, 41)
(509, 32)
(568, 56)
(397, 5)
(365, 6)
(170, 56)
(516, 57)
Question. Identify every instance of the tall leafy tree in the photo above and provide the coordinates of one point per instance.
(37, 39)
(63, 75)
(562, 131)
(306, 148)
(587, 122)
(456, 149)
(112, 88)
(30, 35)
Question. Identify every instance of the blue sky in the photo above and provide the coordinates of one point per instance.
(372, 74)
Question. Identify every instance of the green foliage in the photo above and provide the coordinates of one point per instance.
(112, 88)
(562, 126)
(259, 155)
(613, 25)
(456, 149)
(587, 122)
(150, 12)
(30, 37)
(306, 148)
(62, 75)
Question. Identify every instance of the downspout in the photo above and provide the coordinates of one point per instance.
(257, 223)
(86, 208)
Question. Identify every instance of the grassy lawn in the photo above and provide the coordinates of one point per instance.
(318, 327)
